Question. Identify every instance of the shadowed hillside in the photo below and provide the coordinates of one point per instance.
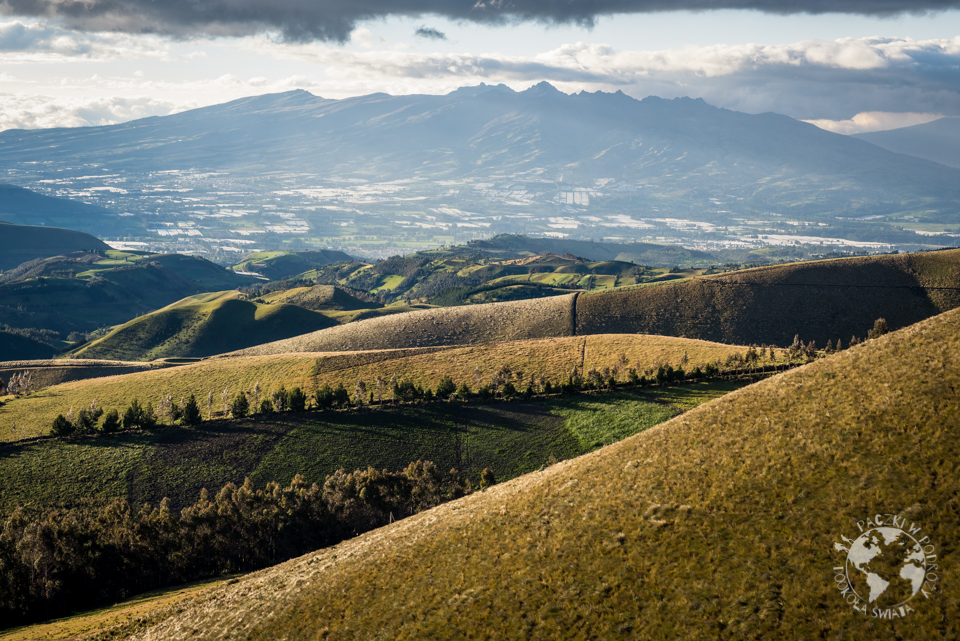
(22, 243)
(821, 301)
(725, 523)
(191, 328)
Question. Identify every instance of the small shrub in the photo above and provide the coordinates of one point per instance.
(487, 478)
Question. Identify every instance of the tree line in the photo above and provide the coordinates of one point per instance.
(506, 383)
(56, 561)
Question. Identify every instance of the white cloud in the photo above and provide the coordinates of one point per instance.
(32, 112)
(874, 121)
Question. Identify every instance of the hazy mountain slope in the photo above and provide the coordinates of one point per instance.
(938, 141)
(640, 253)
(721, 523)
(24, 207)
(23, 243)
(684, 144)
(821, 301)
(194, 329)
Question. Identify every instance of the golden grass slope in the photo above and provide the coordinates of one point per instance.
(553, 358)
(821, 301)
(719, 524)
(468, 325)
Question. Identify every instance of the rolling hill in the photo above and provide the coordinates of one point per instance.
(86, 291)
(278, 265)
(203, 325)
(22, 243)
(552, 358)
(726, 522)
(938, 141)
(820, 300)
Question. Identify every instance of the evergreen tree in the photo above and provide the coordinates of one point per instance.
(61, 426)
(240, 406)
(446, 387)
(111, 422)
(191, 412)
(296, 400)
(879, 329)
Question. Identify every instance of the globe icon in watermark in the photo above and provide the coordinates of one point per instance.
(885, 566)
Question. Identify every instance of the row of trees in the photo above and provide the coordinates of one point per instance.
(57, 561)
(505, 383)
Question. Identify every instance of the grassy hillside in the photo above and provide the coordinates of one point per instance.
(277, 265)
(213, 325)
(22, 243)
(46, 373)
(552, 358)
(469, 325)
(87, 291)
(510, 438)
(319, 298)
(823, 300)
(723, 523)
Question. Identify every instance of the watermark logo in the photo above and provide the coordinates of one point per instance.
(886, 566)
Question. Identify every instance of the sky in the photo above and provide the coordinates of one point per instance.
(872, 66)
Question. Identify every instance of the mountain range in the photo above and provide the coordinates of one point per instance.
(683, 148)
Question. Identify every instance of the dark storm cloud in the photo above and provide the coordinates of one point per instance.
(305, 20)
(430, 33)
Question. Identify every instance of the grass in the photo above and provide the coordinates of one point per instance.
(510, 438)
(76, 626)
(553, 358)
(191, 328)
(821, 300)
(472, 324)
(721, 523)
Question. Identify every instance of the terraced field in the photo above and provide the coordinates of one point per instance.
(551, 358)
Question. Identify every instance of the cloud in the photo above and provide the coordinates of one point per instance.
(430, 33)
(813, 79)
(305, 20)
(41, 42)
(38, 111)
(874, 121)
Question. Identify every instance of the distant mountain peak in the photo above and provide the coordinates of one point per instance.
(543, 89)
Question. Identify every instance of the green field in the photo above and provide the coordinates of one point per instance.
(510, 438)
